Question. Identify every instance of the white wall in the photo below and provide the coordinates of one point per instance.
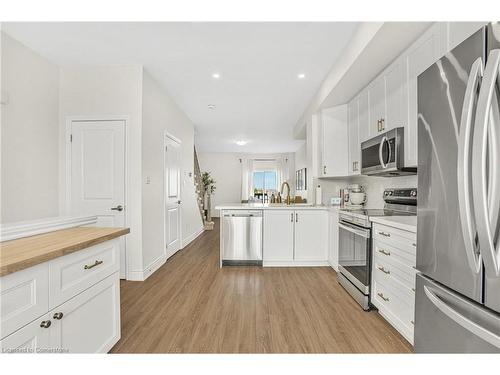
(161, 114)
(30, 149)
(225, 168)
(101, 92)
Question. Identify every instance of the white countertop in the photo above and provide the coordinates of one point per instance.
(408, 223)
(270, 206)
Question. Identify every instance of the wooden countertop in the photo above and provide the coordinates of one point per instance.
(22, 253)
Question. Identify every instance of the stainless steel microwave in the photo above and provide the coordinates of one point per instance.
(383, 155)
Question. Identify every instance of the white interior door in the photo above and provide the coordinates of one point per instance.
(98, 174)
(172, 196)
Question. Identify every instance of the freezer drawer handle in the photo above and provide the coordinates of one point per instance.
(462, 320)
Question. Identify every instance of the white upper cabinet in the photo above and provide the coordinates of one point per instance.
(459, 31)
(396, 95)
(376, 93)
(363, 116)
(334, 142)
(354, 143)
(422, 54)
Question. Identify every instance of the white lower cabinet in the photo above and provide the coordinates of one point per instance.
(393, 277)
(68, 304)
(295, 237)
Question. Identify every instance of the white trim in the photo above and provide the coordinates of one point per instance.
(21, 229)
(295, 263)
(333, 265)
(186, 241)
(148, 271)
(66, 191)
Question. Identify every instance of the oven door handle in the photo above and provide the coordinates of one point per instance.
(357, 231)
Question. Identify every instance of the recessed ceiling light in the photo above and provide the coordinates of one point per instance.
(241, 143)
(216, 75)
(211, 106)
(301, 76)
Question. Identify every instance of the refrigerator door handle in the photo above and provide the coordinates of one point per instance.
(481, 147)
(463, 167)
(463, 321)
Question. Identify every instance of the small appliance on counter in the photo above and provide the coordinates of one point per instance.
(356, 197)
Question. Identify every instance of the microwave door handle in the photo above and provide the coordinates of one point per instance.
(380, 156)
(463, 169)
(480, 151)
(390, 151)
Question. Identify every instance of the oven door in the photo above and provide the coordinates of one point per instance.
(354, 255)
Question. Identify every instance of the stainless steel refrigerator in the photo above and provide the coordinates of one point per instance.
(457, 307)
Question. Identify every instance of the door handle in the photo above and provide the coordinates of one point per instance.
(117, 208)
(484, 207)
(45, 324)
(296, 217)
(58, 315)
(179, 202)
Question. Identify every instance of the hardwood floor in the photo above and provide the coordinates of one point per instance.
(191, 306)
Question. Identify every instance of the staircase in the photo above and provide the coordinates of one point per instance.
(198, 186)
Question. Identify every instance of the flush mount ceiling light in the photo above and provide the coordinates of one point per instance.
(216, 75)
(301, 76)
(241, 143)
(211, 106)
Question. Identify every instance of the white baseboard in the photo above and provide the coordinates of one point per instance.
(335, 266)
(186, 241)
(148, 271)
(296, 263)
(12, 231)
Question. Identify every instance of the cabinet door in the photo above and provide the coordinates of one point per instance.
(311, 235)
(396, 95)
(459, 31)
(376, 91)
(364, 116)
(32, 338)
(335, 149)
(354, 145)
(89, 322)
(278, 235)
(422, 54)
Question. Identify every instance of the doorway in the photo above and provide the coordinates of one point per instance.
(172, 195)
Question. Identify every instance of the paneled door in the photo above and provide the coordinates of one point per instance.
(98, 174)
(172, 196)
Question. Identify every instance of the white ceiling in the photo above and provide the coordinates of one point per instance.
(258, 97)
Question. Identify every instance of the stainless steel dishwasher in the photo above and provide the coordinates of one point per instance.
(241, 237)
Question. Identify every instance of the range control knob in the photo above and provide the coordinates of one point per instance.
(413, 193)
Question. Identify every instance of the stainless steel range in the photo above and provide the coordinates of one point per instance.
(355, 241)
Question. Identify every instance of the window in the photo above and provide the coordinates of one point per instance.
(264, 184)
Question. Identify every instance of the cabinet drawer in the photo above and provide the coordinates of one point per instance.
(405, 241)
(32, 338)
(393, 284)
(385, 250)
(394, 264)
(394, 309)
(72, 274)
(24, 297)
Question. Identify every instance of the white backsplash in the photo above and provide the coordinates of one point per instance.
(373, 186)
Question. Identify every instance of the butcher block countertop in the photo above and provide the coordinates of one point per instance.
(22, 253)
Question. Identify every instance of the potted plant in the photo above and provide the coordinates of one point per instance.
(208, 189)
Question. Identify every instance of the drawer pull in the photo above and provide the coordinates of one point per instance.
(382, 296)
(412, 322)
(58, 315)
(97, 262)
(414, 244)
(384, 234)
(45, 324)
(382, 251)
(387, 272)
(413, 290)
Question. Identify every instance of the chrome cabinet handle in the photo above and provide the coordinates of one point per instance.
(117, 208)
(291, 217)
(387, 272)
(384, 234)
(97, 262)
(179, 201)
(324, 169)
(45, 324)
(296, 217)
(382, 123)
(382, 251)
(414, 244)
(412, 322)
(58, 315)
(382, 296)
(413, 290)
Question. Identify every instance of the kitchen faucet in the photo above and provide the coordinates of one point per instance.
(287, 191)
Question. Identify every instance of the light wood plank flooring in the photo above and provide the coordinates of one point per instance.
(191, 306)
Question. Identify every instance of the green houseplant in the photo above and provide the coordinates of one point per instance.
(208, 184)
